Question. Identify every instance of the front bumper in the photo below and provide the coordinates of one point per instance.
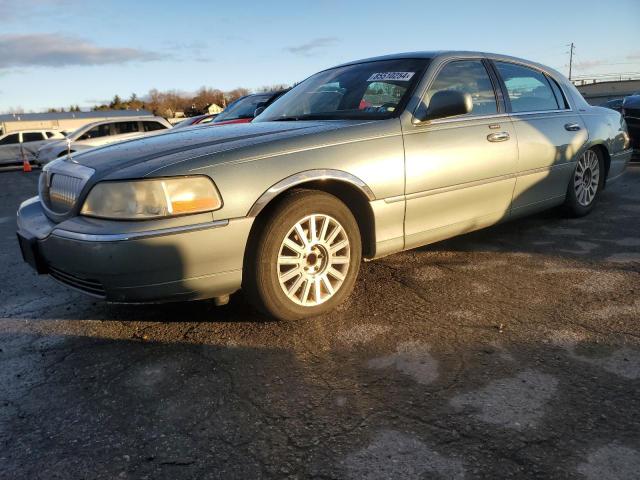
(183, 261)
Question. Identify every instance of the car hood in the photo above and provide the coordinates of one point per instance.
(145, 155)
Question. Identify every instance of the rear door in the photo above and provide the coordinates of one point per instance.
(550, 136)
(460, 171)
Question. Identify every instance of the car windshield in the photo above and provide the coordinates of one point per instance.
(243, 108)
(371, 90)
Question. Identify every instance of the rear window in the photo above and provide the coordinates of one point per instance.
(152, 126)
(529, 90)
(243, 108)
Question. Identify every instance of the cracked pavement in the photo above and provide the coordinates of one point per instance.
(509, 352)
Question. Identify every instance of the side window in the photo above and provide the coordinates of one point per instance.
(152, 126)
(10, 139)
(560, 98)
(125, 127)
(528, 89)
(32, 137)
(467, 76)
(97, 132)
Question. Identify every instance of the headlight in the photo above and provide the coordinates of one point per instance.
(144, 199)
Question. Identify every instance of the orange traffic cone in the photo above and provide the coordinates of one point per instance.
(26, 166)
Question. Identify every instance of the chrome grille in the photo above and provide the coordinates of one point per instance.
(61, 183)
(64, 191)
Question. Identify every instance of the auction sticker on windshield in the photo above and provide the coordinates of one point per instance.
(398, 76)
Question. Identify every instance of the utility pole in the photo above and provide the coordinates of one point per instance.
(572, 47)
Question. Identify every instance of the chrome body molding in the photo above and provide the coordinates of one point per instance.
(308, 176)
(121, 237)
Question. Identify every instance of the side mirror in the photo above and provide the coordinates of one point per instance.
(446, 103)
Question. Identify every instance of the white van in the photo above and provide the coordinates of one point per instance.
(101, 133)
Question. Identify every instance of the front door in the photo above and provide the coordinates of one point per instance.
(460, 171)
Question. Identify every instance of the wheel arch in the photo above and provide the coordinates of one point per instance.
(351, 190)
(606, 157)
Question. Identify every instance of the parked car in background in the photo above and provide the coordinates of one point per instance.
(361, 160)
(615, 104)
(12, 144)
(631, 113)
(197, 120)
(101, 133)
(244, 109)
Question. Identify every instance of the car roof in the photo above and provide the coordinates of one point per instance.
(31, 130)
(127, 119)
(432, 54)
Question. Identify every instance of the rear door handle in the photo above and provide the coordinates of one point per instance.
(572, 127)
(498, 137)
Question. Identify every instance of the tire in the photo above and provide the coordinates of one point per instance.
(586, 184)
(290, 273)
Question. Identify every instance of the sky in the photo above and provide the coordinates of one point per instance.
(57, 53)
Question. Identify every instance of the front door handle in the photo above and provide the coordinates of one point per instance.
(572, 127)
(498, 137)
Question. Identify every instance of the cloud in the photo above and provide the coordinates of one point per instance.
(634, 55)
(56, 50)
(12, 10)
(312, 47)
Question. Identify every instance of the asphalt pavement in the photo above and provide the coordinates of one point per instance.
(513, 352)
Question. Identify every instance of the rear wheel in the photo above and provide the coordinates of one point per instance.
(585, 184)
(305, 260)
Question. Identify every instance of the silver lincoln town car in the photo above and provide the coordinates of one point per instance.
(358, 161)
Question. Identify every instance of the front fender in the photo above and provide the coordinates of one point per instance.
(308, 176)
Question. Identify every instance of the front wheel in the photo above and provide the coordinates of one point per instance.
(585, 184)
(305, 260)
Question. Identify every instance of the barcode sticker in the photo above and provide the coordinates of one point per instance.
(397, 76)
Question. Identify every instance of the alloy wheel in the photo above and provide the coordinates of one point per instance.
(586, 178)
(313, 260)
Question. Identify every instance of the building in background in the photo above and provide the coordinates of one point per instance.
(214, 109)
(61, 121)
(597, 91)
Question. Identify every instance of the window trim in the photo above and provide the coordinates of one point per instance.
(548, 77)
(467, 117)
(563, 95)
